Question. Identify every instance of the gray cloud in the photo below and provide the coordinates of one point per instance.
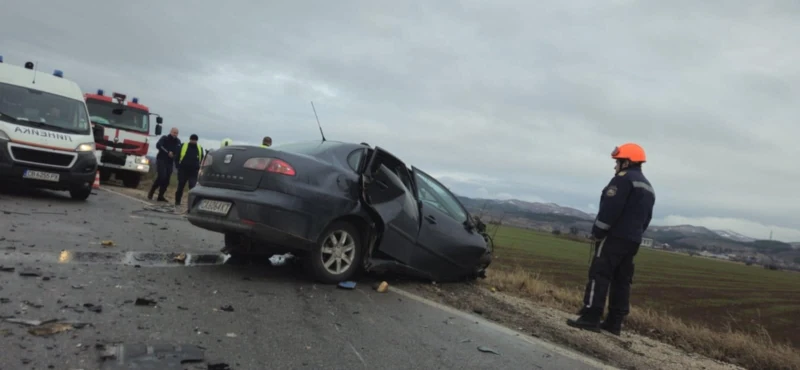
(508, 97)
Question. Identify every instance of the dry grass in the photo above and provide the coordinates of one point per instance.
(750, 350)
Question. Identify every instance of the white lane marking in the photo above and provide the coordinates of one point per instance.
(127, 196)
(358, 354)
(532, 340)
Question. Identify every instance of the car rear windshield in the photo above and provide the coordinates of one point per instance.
(312, 148)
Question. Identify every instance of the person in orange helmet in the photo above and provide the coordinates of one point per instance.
(626, 208)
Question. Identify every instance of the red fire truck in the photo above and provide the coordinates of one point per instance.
(122, 136)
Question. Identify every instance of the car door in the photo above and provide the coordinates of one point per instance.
(393, 202)
(452, 247)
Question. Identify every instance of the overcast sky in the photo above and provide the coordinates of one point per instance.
(497, 98)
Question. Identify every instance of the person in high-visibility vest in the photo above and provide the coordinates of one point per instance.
(266, 142)
(188, 163)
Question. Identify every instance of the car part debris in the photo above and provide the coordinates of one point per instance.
(488, 350)
(29, 322)
(144, 302)
(218, 366)
(180, 258)
(227, 308)
(6, 269)
(107, 243)
(347, 285)
(30, 273)
(383, 287)
(157, 356)
(280, 259)
(54, 327)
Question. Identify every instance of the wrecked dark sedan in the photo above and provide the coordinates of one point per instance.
(341, 208)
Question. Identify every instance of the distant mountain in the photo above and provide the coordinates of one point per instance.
(732, 235)
(551, 216)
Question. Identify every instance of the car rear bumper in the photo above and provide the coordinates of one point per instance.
(80, 175)
(265, 216)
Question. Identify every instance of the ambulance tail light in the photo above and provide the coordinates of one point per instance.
(273, 165)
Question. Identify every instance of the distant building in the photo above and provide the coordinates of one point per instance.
(647, 242)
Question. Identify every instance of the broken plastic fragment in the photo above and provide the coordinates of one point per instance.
(488, 350)
(347, 285)
(280, 259)
(180, 258)
(144, 302)
(383, 287)
(107, 243)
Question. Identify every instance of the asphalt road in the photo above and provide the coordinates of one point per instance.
(279, 319)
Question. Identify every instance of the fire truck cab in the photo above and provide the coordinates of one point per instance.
(45, 134)
(122, 132)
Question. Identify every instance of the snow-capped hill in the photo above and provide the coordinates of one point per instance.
(732, 235)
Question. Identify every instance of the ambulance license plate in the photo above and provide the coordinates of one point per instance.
(39, 175)
(214, 206)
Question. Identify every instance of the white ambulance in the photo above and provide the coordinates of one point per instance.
(46, 138)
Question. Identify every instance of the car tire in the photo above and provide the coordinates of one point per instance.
(320, 253)
(80, 194)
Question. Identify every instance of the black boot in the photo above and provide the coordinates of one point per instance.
(589, 320)
(612, 324)
(151, 192)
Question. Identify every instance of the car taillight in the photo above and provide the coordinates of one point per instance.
(207, 161)
(270, 165)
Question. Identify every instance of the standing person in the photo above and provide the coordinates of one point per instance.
(266, 142)
(225, 142)
(626, 208)
(167, 146)
(188, 166)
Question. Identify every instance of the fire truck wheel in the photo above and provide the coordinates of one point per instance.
(80, 194)
(131, 180)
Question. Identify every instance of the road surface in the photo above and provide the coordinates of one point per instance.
(248, 317)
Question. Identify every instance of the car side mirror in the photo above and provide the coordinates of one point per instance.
(98, 132)
(159, 120)
(158, 128)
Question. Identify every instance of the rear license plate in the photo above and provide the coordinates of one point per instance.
(214, 206)
(39, 175)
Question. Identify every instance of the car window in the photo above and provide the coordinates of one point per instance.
(434, 194)
(354, 159)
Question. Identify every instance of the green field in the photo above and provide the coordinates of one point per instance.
(696, 289)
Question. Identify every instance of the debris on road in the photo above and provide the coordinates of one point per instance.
(6, 268)
(383, 287)
(488, 350)
(218, 366)
(231, 335)
(93, 308)
(47, 327)
(227, 308)
(280, 259)
(107, 243)
(347, 285)
(27, 322)
(28, 272)
(144, 302)
(180, 258)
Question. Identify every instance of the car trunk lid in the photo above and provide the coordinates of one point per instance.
(227, 168)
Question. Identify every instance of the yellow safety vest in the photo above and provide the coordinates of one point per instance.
(186, 146)
(264, 146)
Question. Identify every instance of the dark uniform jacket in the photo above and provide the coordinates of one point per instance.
(626, 206)
(167, 144)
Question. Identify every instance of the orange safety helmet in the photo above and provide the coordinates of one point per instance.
(629, 151)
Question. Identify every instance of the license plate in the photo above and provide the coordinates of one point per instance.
(39, 175)
(214, 206)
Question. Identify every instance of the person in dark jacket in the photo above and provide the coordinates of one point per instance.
(626, 208)
(168, 146)
(189, 160)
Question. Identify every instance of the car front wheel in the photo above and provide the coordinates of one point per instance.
(337, 255)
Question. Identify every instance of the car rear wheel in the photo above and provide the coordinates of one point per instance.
(80, 193)
(337, 254)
